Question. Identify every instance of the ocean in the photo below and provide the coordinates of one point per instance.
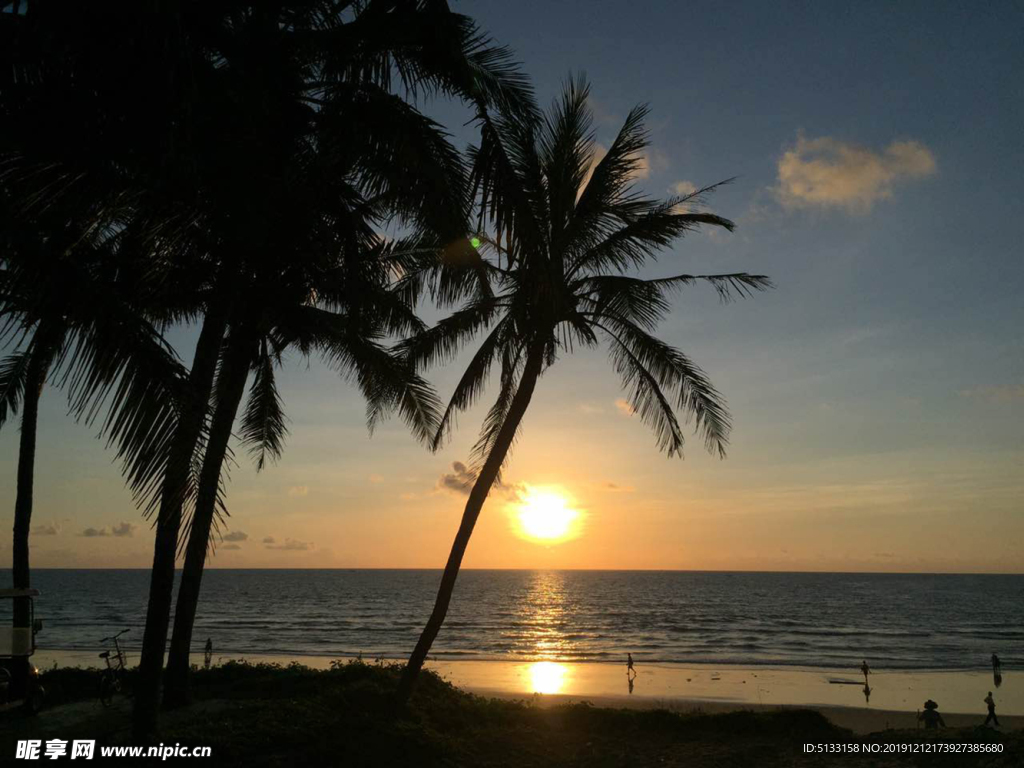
(779, 619)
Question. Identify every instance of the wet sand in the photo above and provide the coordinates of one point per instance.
(895, 698)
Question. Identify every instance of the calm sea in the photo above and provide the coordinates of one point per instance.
(830, 620)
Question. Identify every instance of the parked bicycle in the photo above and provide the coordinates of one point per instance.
(112, 681)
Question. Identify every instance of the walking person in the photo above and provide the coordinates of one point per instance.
(866, 670)
(991, 703)
(208, 654)
(997, 666)
(629, 664)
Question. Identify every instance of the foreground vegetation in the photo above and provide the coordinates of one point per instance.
(265, 715)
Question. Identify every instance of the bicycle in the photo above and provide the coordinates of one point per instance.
(112, 678)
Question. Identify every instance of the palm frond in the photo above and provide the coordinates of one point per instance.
(511, 369)
(263, 427)
(648, 366)
(13, 371)
(472, 383)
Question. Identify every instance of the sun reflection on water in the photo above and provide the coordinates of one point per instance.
(542, 634)
(548, 677)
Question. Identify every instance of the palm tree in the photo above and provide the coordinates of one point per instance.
(568, 234)
(97, 126)
(312, 150)
(77, 315)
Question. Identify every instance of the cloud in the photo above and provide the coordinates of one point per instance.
(298, 490)
(124, 529)
(995, 394)
(614, 488)
(624, 406)
(461, 479)
(269, 540)
(829, 173)
(236, 536)
(91, 533)
(683, 188)
(229, 546)
(290, 544)
(642, 169)
(46, 529)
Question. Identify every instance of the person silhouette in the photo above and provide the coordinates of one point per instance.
(865, 669)
(931, 716)
(208, 654)
(997, 667)
(991, 703)
(629, 664)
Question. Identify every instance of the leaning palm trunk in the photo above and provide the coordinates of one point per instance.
(482, 486)
(22, 578)
(234, 372)
(161, 584)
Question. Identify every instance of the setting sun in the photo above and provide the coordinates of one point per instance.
(545, 515)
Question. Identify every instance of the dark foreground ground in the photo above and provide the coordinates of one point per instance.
(264, 715)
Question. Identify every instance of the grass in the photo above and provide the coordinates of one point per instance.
(269, 715)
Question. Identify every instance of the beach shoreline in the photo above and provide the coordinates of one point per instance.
(895, 695)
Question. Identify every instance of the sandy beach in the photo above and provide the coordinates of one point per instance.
(895, 696)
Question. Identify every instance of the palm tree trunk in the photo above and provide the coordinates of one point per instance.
(235, 370)
(35, 377)
(161, 582)
(482, 486)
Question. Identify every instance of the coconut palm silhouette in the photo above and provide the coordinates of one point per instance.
(565, 231)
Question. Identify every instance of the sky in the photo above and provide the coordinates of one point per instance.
(877, 394)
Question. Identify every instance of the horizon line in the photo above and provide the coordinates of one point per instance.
(580, 570)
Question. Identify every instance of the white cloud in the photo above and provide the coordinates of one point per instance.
(642, 170)
(683, 187)
(829, 173)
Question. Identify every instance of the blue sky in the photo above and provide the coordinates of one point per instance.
(877, 394)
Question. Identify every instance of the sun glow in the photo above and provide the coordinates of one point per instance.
(547, 677)
(544, 515)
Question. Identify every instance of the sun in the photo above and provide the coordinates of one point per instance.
(544, 515)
